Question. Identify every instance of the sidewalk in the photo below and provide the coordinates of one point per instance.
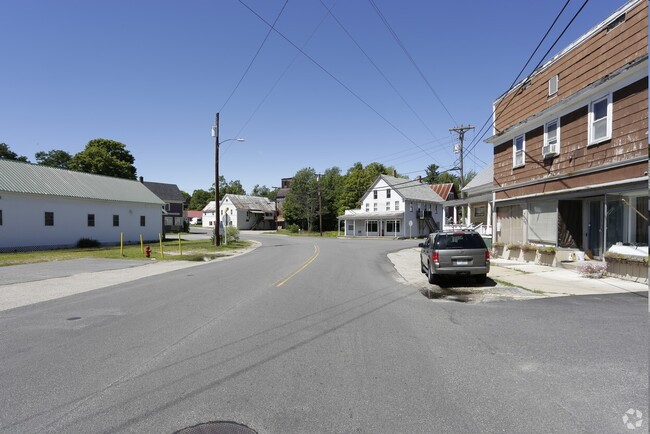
(537, 279)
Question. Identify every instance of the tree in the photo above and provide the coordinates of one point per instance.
(432, 174)
(53, 158)
(330, 187)
(356, 182)
(469, 176)
(8, 154)
(261, 191)
(200, 198)
(301, 204)
(187, 196)
(105, 157)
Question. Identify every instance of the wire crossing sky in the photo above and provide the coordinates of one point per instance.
(310, 83)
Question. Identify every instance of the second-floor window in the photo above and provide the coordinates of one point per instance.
(388, 194)
(397, 205)
(374, 194)
(551, 138)
(387, 206)
(518, 151)
(600, 120)
(367, 207)
(374, 206)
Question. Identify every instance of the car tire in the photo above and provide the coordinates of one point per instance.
(422, 269)
(481, 278)
(433, 278)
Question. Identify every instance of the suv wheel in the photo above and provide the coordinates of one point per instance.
(422, 269)
(433, 278)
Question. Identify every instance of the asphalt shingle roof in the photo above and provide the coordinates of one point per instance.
(412, 189)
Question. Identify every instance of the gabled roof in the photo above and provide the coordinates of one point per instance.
(443, 190)
(482, 182)
(26, 178)
(408, 189)
(249, 203)
(166, 192)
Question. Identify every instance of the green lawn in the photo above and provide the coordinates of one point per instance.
(195, 250)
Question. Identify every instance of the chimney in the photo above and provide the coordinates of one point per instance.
(142, 179)
(394, 173)
(419, 179)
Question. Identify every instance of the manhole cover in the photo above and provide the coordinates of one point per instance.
(217, 428)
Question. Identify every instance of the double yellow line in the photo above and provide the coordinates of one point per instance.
(280, 283)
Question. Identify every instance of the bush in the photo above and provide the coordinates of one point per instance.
(85, 243)
(514, 246)
(233, 233)
(293, 228)
(548, 250)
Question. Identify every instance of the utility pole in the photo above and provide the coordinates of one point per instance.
(217, 221)
(461, 137)
(320, 207)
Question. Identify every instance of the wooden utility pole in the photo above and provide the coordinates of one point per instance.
(461, 137)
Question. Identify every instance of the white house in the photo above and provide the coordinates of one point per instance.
(242, 212)
(44, 207)
(394, 207)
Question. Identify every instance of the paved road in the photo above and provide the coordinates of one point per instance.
(311, 335)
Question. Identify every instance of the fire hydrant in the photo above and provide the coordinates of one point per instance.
(147, 251)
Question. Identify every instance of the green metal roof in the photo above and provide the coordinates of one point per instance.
(25, 178)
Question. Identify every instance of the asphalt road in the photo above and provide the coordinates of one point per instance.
(309, 335)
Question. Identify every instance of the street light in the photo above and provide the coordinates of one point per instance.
(217, 223)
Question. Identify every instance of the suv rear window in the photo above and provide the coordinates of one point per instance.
(459, 241)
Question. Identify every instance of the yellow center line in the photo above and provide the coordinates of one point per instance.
(279, 283)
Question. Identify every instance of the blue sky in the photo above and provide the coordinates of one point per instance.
(152, 75)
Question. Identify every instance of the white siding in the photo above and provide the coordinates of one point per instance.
(23, 221)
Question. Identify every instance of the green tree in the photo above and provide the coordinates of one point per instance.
(187, 197)
(105, 157)
(356, 182)
(53, 158)
(301, 203)
(8, 154)
(330, 186)
(432, 174)
(200, 198)
(261, 191)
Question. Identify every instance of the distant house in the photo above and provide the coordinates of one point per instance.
(571, 143)
(281, 196)
(475, 209)
(195, 217)
(242, 212)
(46, 207)
(173, 216)
(394, 207)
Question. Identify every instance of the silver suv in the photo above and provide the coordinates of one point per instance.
(457, 253)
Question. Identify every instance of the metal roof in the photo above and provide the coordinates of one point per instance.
(251, 203)
(26, 178)
(410, 189)
(482, 182)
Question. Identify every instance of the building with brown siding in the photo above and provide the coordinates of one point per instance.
(571, 143)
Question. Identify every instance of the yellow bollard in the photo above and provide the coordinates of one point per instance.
(162, 255)
(121, 243)
(141, 245)
(180, 244)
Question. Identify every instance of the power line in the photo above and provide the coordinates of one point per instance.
(255, 56)
(475, 142)
(401, 45)
(322, 68)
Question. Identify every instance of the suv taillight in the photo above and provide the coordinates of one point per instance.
(487, 256)
(435, 256)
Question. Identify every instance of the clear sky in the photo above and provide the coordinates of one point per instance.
(368, 80)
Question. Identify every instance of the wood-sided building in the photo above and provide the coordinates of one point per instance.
(571, 143)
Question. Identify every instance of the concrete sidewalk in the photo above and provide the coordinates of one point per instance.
(536, 279)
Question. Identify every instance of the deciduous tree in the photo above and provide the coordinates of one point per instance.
(105, 157)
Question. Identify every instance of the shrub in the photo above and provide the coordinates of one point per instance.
(618, 257)
(498, 244)
(232, 233)
(594, 271)
(547, 250)
(514, 246)
(293, 228)
(85, 243)
(529, 248)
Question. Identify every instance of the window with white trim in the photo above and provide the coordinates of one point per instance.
(387, 206)
(553, 85)
(518, 151)
(551, 138)
(388, 194)
(374, 206)
(374, 194)
(397, 205)
(367, 207)
(600, 120)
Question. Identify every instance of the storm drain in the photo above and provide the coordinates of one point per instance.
(217, 428)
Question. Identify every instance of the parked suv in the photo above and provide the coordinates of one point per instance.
(457, 253)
